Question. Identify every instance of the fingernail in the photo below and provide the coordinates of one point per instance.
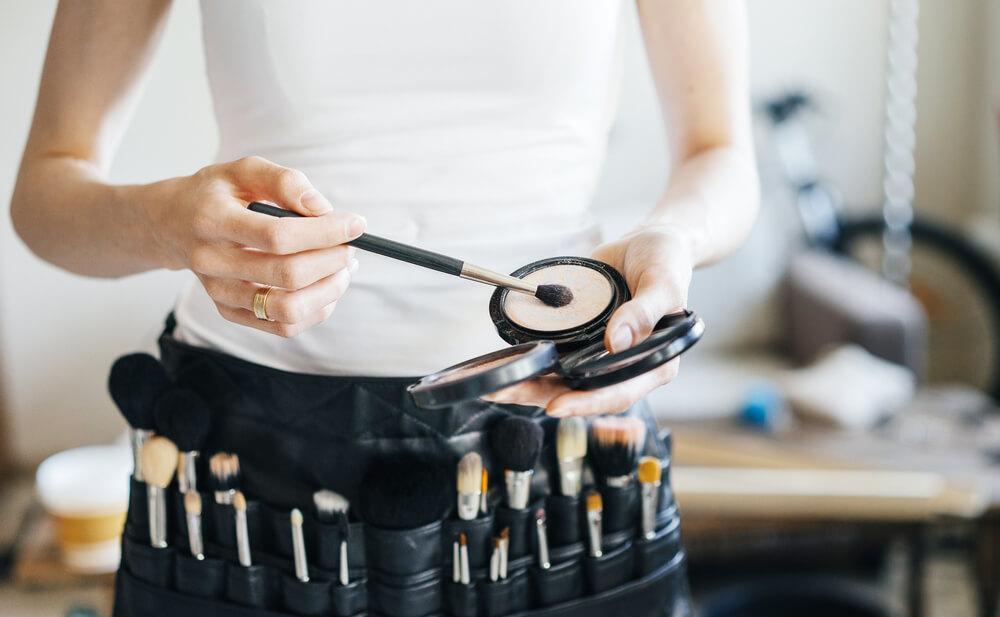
(353, 266)
(312, 201)
(621, 338)
(357, 226)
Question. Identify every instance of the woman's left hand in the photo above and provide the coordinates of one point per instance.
(657, 265)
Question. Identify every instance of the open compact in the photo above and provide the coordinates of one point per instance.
(567, 341)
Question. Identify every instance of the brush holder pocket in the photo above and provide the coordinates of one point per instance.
(522, 527)
(137, 520)
(149, 564)
(612, 569)
(652, 553)
(621, 507)
(349, 600)
(461, 600)
(223, 528)
(257, 586)
(205, 578)
(311, 598)
(566, 521)
(561, 582)
(421, 596)
(507, 596)
(403, 552)
(323, 541)
(479, 537)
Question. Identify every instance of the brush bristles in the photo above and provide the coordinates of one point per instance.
(470, 473)
(462, 541)
(329, 503)
(405, 491)
(239, 501)
(296, 517)
(571, 438)
(225, 470)
(516, 442)
(649, 470)
(192, 503)
(617, 443)
(183, 416)
(159, 461)
(554, 295)
(135, 383)
(484, 482)
(594, 502)
(505, 533)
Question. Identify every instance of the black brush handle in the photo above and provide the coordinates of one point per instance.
(382, 246)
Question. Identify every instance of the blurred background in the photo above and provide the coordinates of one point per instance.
(834, 426)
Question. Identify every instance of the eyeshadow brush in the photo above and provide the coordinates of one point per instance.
(484, 492)
(158, 459)
(299, 546)
(552, 295)
(463, 559)
(516, 443)
(135, 383)
(225, 471)
(185, 418)
(332, 507)
(242, 530)
(649, 482)
(192, 512)
(595, 510)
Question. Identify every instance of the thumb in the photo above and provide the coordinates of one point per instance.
(287, 187)
(634, 321)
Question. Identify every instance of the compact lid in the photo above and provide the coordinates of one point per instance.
(595, 367)
(485, 374)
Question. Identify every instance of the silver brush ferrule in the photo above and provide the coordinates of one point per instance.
(650, 495)
(225, 498)
(482, 275)
(618, 481)
(594, 533)
(187, 476)
(570, 476)
(518, 488)
(138, 438)
(194, 536)
(468, 505)
(157, 506)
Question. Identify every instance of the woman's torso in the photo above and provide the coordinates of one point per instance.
(475, 129)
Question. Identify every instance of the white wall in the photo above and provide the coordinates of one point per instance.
(59, 333)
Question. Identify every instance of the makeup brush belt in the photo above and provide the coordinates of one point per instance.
(296, 433)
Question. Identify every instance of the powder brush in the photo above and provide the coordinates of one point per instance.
(192, 513)
(136, 381)
(595, 513)
(184, 417)
(649, 482)
(224, 468)
(615, 449)
(571, 448)
(470, 476)
(516, 443)
(552, 295)
(242, 530)
(158, 459)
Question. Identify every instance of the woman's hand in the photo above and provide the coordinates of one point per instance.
(203, 225)
(657, 265)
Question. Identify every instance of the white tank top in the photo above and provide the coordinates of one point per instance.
(471, 128)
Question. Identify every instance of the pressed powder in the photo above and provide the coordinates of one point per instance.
(592, 293)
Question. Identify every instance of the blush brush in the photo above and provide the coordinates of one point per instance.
(135, 383)
(552, 295)
(516, 443)
(185, 418)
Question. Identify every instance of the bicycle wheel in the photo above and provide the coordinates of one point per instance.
(959, 288)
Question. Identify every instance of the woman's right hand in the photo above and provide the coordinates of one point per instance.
(204, 226)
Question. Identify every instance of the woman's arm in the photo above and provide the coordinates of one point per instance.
(67, 213)
(698, 57)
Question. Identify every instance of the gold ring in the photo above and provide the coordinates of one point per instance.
(260, 303)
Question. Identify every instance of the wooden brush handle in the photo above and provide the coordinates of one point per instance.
(382, 246)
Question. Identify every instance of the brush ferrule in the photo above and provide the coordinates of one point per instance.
(138, 438)
(518, 488)
(187, 476)
(194, 536)
(618, 481)
(594, 532)
(243, 539)
(482, 275)
(570, 476)
(650, 495)
(225, 498)
(299, 554)
(543, 545)
(468, 505)
(157, 506)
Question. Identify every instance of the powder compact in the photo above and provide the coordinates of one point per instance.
(567, 341)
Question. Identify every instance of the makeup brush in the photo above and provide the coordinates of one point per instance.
(495, 560)
(614, 452)
(470, 476)
(595, 510)
(225, 471)
(504, 551)
(543, 541)
(516, 443)
(332, 507)
(649, 481)
(456, 562)
(463, 559)
(571, 448)
(484, 492)
(552, 295)
(192, 511)
(299, 546)
(242, 531)
(404, 491)
(184, 417)
(158, 458)
(135, 382)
